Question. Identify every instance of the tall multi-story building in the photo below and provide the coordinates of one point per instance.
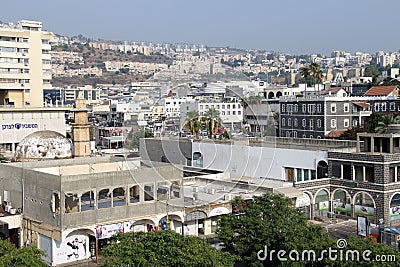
(25, 64)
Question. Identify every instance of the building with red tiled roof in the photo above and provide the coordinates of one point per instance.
(383, 91)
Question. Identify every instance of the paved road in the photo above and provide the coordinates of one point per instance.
(345, 229)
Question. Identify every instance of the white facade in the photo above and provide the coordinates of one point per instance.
(229, 112)
(252, 161)
(25, 64)
(172, 105)
(16, 124)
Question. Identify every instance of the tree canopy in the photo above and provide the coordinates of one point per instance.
(271, 222)
(25, 256)
(163, 248)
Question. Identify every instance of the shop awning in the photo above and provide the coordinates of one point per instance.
(290, 192)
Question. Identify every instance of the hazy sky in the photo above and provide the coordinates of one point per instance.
(291, 26)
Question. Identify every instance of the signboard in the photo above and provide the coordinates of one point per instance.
(219, 211)
(17, 126)
(341, 207)
(394, 213)
(394, 210)
(303, 201)
(107, 231)
(72, 249)
(364, 210)
(362, 226)
(195, 215)
(324, 205)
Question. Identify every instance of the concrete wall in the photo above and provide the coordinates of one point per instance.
(38, 189)
(176, 151)
(266, 162)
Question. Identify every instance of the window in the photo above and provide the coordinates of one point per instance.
(369, 173)
(87, 201)
(346, 171)
(295, 134)
(392, 175)
(162, 192)
(134, 194)
(299, 175)
(55, 202)
(289, 122)
(346, 123)
(104, 199)
(283, 108)
(289, 174)
(303, 108)
(148, 192)
(118, 197)
(376, 107)
(319, 108)
(319, 123)
(71, 203)
(355, 122)
(392, 106)
(295, 123)
(313, 175)
(311, 108)
(239, 112)
(311, 124)
(346, 107)
(333, 123)
(306, 175)
(296, 108)
(175, 190)
(283, 122)
(304, 123)
(333, 108)
(336, 170)
(383, 106)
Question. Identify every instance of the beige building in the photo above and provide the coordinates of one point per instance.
(25, 64)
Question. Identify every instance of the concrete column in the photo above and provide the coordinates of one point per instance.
(79, 202)
(372, 144)
(364, 173)
(391, 145)
(112, 196)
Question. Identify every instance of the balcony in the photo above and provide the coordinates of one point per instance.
(14, 86)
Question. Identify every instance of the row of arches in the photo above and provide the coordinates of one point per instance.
(340, 201)
(272, 95)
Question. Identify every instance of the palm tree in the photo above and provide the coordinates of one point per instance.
(212, 121)
(193, 123)
(305, 75)
(316, 73)
(386, 121)
(244, 102)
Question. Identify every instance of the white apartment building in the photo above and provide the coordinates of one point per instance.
(231, 113)
(25, 64)
(172, 106)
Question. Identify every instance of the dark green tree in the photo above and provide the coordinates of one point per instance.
(193, 123)
(385, 122)
(163, 248)
(212, 121)
(270, 221)
(371, 71)
(25, 256)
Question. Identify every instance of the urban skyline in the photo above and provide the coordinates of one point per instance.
(294, 28)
